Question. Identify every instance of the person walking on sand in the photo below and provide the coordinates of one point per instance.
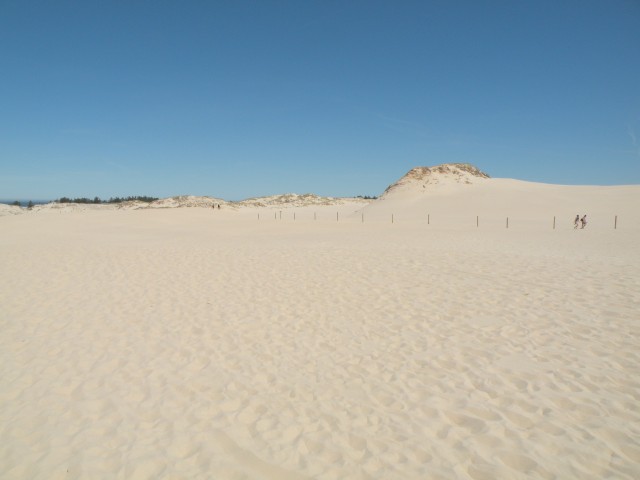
(575, 222)
(583, 221)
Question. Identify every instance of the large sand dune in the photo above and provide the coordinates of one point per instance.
(453, 196)
(203, 343)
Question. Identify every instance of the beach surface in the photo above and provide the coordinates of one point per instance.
(200, 343)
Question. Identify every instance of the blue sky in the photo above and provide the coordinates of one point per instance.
(246, 98)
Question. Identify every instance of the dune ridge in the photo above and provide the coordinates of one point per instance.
(287, 200)
(447, 195)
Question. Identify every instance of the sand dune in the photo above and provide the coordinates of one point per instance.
(197, 343)
(458, 197)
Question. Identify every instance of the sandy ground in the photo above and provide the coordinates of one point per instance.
(190, 343)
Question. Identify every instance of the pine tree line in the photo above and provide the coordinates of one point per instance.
(97, 200)
(18, 204)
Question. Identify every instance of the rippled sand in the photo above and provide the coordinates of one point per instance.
(197, 344)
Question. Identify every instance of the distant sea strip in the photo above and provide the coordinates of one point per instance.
(24, 203)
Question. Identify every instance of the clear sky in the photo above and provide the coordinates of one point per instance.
(247, 98)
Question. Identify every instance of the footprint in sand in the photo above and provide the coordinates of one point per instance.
(517, 461)
(474, 425)
(182, 447)
(518, 420)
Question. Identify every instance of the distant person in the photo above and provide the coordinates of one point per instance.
(583, 221)
(576, 221)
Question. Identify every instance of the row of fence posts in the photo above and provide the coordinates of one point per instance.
(275, 216)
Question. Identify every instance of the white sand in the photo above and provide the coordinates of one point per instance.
(193, 343)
